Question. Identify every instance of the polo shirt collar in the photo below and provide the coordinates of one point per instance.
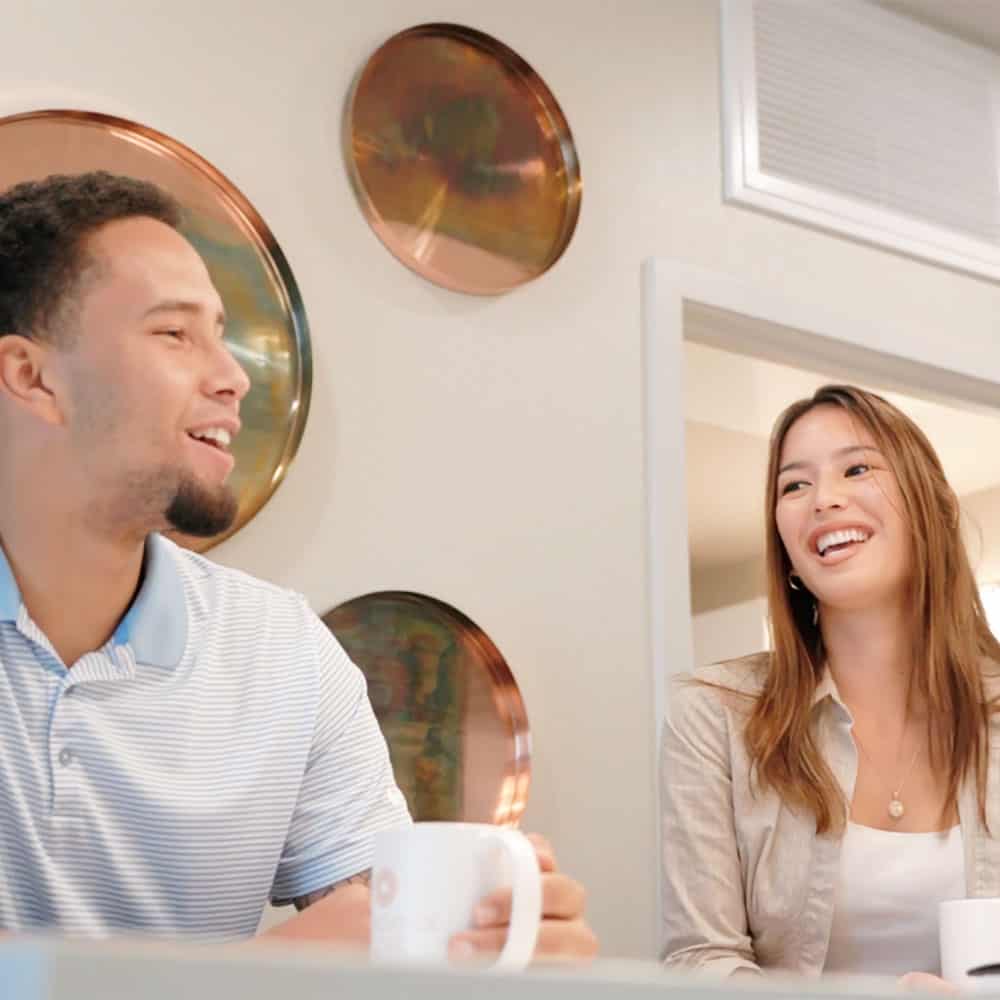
(155, 625)
(10, 595)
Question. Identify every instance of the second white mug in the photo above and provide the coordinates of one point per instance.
(970, 943)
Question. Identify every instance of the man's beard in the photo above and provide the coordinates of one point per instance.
(199, 512)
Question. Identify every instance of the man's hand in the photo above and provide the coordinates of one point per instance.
(564, 934)
(340, 916)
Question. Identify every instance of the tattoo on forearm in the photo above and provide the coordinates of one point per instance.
(302, 902)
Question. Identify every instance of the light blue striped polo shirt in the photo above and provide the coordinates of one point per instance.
(219, 750)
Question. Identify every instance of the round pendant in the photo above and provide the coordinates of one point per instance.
(896, 809)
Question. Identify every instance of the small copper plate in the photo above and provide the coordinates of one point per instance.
(266, 326)
(462, 160)
(447, 703)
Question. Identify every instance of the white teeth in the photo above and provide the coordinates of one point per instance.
(218, 435)
(839, 538)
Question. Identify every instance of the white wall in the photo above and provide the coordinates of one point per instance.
(729, 611)
(718, 585)
(486, 451)
(981, 528)
(730, 631)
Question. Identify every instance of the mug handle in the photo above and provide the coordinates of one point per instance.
(984, 970)
(526, 902)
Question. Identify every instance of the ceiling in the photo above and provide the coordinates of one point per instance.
(976, 21)
(732, 400)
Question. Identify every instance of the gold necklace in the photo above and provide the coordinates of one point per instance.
(896, 808)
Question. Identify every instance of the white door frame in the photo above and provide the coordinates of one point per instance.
(681, 302)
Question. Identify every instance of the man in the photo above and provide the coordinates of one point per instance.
(180, 742)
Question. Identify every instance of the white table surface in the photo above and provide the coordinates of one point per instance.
(52, 969)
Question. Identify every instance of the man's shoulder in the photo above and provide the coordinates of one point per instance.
(206, 579)
(234, 617)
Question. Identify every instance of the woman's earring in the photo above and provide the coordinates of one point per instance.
(815, 612)
(794, 581)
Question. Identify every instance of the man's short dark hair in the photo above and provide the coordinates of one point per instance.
(43, 230)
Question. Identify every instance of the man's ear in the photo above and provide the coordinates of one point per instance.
(26, 378)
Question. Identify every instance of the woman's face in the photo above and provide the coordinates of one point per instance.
(839, 512)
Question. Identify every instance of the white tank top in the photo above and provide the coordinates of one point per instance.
(885, 919)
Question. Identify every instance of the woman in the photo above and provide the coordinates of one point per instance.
(820, 800)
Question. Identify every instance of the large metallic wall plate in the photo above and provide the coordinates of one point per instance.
(462, 159)
(447, 702)
(266, 326)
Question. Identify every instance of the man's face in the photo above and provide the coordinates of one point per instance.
(150, 391)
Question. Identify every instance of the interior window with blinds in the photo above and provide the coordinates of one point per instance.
(861, 120)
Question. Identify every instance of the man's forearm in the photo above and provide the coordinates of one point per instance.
(304, 902)
(337, 913)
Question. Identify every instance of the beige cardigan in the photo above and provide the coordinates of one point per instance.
(747, 882)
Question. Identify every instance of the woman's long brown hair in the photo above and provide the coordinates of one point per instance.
(950, 636)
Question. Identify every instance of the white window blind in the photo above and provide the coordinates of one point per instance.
(845, 115)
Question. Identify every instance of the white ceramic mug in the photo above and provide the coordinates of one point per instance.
(427, 880)
(970, 940)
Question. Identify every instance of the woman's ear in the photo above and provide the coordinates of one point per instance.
(953, 508)
(26, 379)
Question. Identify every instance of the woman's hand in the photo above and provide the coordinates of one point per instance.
(564, 934)
(924, 982)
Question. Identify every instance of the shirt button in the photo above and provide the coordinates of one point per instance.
(65, 756)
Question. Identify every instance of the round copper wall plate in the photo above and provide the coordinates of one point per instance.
(447, 702)
(462, 159)
(266, 323)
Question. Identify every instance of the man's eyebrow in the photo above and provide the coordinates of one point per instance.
(182, 305)
(839, 453)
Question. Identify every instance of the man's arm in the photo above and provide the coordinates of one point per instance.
(337, 914)
(304, 902)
